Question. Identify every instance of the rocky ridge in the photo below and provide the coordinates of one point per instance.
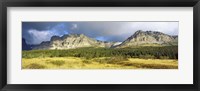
(148, 38)
(139, 38)
(72, 41)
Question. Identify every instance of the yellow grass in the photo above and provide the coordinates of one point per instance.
(80, 63)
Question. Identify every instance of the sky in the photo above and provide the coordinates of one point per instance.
(37, 32)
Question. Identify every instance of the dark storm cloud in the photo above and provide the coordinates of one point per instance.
(38, 25)
(36, 32)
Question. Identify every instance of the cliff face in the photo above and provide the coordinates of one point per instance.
(25, 46)
(148, 38)
(72, 41)
(139, 38)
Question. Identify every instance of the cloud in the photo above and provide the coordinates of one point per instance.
(119, 31)
(35, 34)
(101, 38)
(39, 36)
(170, 28)
(74, 26)
(107, 31)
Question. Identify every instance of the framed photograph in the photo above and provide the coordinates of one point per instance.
(92, 44)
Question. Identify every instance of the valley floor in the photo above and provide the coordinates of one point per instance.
(97, 63)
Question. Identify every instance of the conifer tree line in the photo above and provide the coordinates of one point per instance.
(165, 52)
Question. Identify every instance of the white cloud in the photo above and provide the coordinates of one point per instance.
(170, 28)
(39, 36)
(74, 26)
(119, 31)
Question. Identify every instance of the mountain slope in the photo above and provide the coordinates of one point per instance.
(25, 46)
(72, 41)
(149, 38)
(139, 38)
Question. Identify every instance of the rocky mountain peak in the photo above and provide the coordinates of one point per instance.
(54, 38)
(139, 38)
(149, 38)
(73, 35)
(149, 32)
(70, 41)
(139, 32)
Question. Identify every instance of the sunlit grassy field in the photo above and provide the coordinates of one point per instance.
(102, 58)
(97, 63)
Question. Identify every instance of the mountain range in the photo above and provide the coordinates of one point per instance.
(71, 41)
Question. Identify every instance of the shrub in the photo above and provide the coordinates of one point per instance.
(117, 59)
(147, 56)
(35, 66)
(164, 57)
(57, 62)
(87, 61)
(112, 60)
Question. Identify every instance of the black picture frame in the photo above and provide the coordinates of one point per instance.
(99, 3)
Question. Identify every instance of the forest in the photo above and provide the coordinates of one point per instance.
(164, 52)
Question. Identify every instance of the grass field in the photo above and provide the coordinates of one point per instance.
(97, 63)
(165, 57)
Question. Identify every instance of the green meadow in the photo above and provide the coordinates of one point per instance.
(146, 57)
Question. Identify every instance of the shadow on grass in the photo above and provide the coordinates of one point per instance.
(111, 60)
(150, 66)
(57, 62)
(35, 66)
